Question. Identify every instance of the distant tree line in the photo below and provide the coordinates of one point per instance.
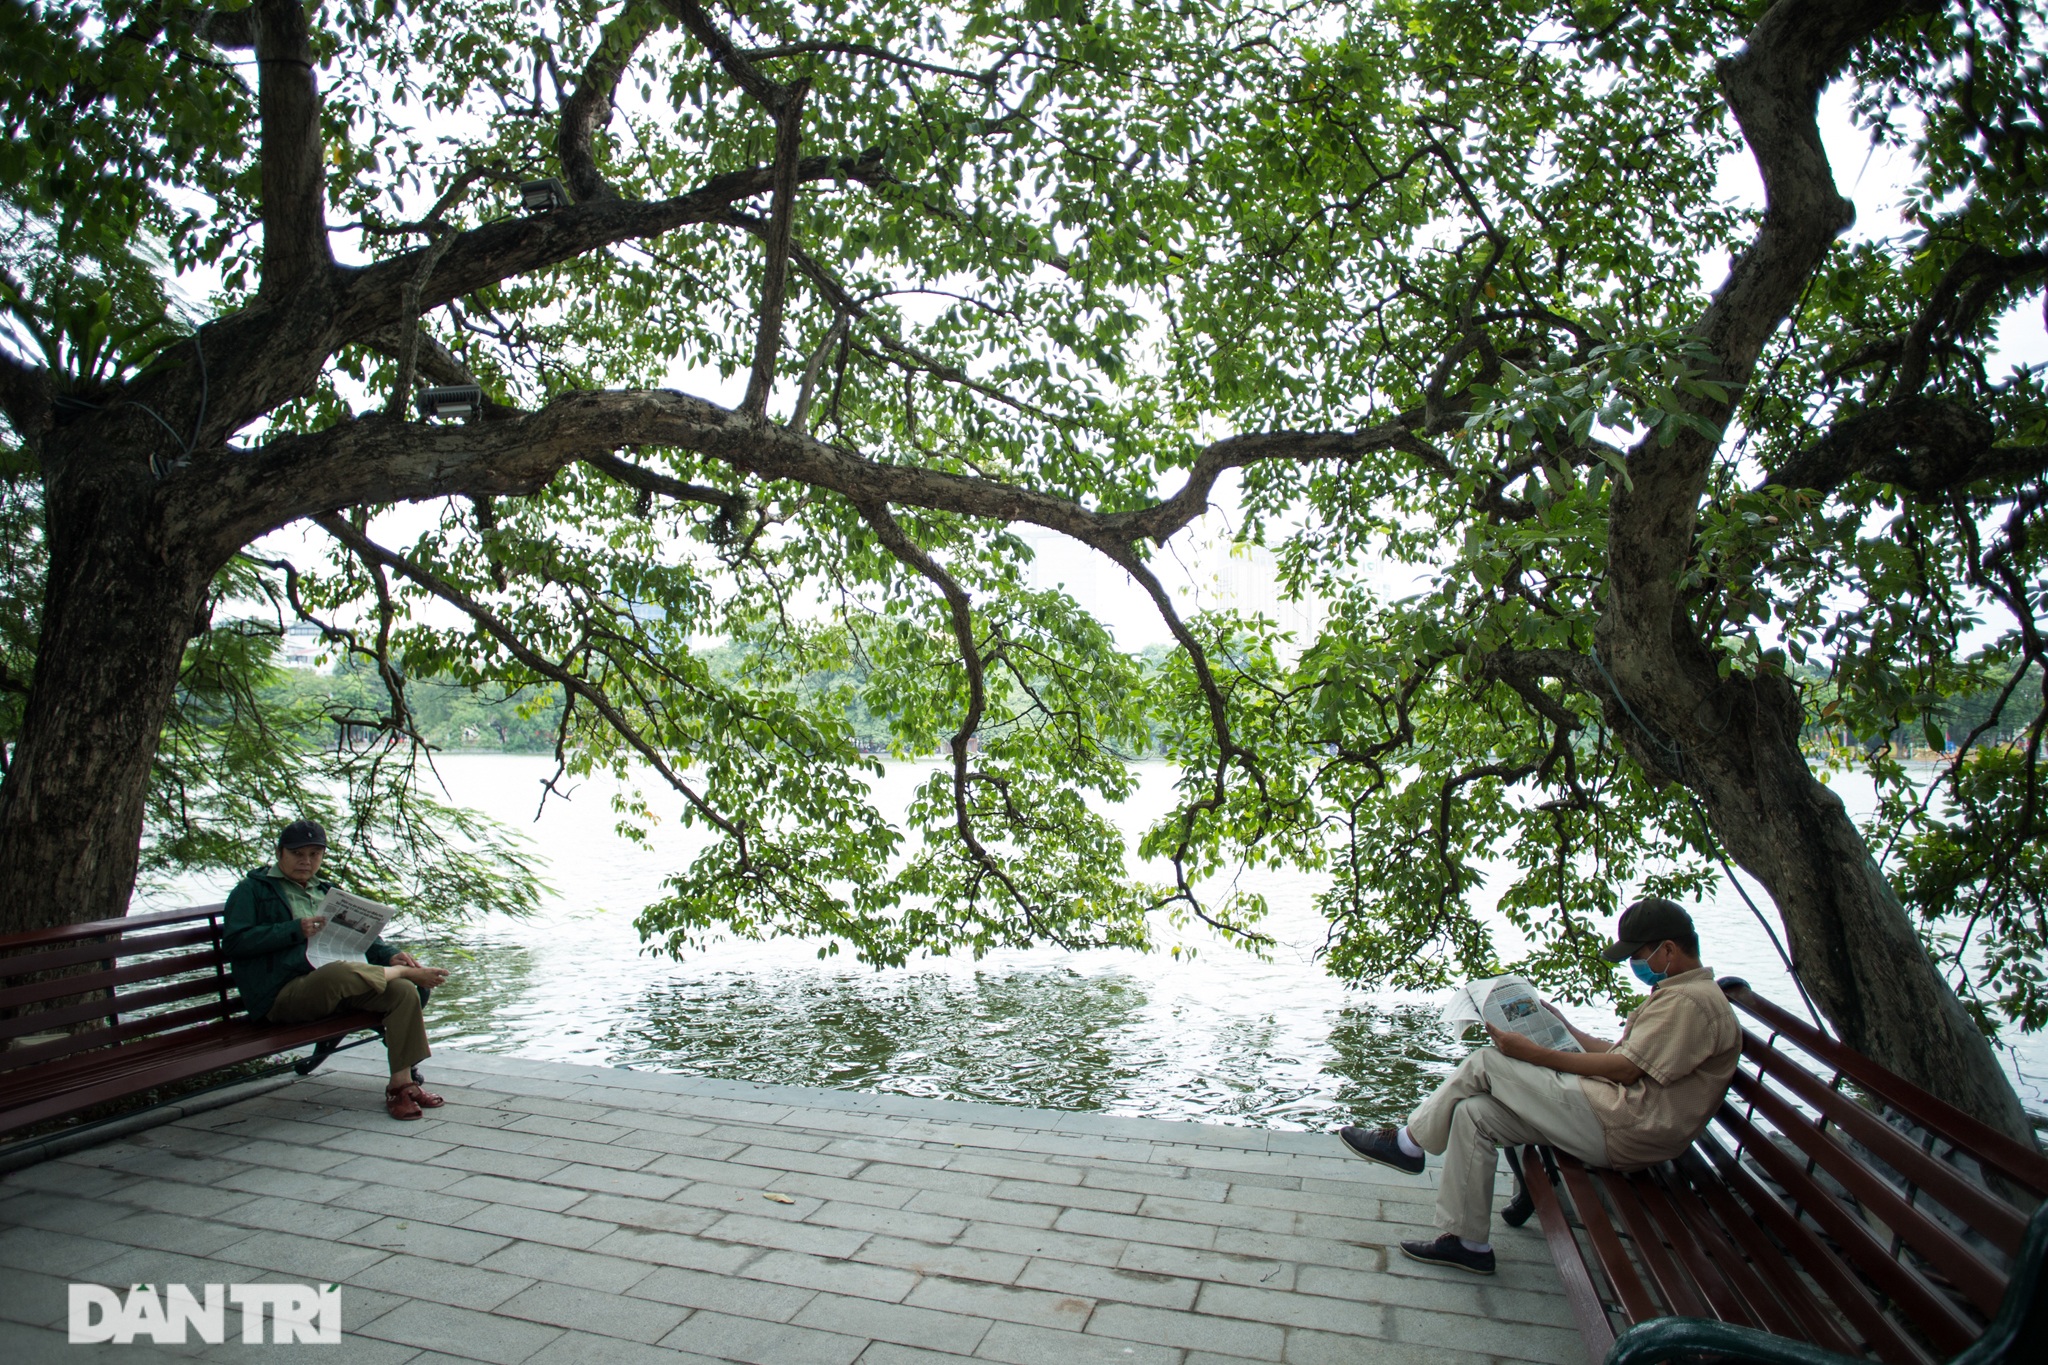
(1990, 709)
(341, 708)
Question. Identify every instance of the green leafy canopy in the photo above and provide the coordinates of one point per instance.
(1053, 250)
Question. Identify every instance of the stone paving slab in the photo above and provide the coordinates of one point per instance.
(554, 1214)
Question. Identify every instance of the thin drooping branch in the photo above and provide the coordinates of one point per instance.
(330, 633)
(880, 54)
(960, 614)
(515, 644)
(409, 326)
(380, 651)
(295, 249)
(733, 504)
(775, 271)
(909, 356)
(1229, 752)
(835, 336)
(432, 359)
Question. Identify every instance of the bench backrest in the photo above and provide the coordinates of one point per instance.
(1928, 1205)
(143, 975)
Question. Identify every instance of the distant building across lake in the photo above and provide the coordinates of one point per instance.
(302, 647)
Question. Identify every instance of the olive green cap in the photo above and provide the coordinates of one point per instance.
(1650, 920)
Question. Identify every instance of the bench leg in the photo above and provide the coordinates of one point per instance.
(1522, 1206)
(321, 1052)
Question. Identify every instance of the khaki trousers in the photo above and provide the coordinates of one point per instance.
(1494, 1101)
(324, 990)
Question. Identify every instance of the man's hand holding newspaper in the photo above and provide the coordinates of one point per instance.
(1511, 1011)
(346, 926)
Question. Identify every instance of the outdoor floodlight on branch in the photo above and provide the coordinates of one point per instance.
(452, 403)
(543, 196)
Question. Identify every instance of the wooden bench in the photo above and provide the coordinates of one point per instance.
(157, 1007)
(1831, 1208)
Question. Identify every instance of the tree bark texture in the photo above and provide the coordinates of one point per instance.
(123, 594)
(1735, 741)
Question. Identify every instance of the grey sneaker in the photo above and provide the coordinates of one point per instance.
(1448, 1250)
(1380, 1144)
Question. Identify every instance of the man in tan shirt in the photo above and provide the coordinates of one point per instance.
(1630, 1103)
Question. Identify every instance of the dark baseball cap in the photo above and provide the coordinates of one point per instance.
(302, 834)
(1650, 920)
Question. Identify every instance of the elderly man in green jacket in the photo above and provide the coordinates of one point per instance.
(273, 913)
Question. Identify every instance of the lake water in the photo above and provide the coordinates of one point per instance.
(1224, 1036)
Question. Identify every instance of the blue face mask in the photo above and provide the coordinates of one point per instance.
(1641, 967)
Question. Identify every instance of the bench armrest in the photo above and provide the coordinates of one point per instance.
(1662, 1339)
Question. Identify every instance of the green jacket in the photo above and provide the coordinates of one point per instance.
(263, 942)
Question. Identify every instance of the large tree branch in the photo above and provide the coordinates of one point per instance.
(775, 271)
(1958, 299)
(1773, 87)
(295, 246)
(376, 459)
(1158, 522)
(587, 109)
(1928, 446)
(375, 295)
(736, 64)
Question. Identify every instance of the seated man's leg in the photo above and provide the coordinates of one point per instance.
(1430, 1124)
(1552, 1101)
(405, 1032)
(1492, 1102)
(1479, 1128)
(326, 989)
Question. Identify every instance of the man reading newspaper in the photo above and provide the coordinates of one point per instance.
(1630, 1103)
(302, 950)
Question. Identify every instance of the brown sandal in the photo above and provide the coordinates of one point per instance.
(399, 1103)
(423, 1097)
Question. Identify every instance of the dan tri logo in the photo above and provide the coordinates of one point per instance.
(296, 1312)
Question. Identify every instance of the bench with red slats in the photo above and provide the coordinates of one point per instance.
(1873, 1221)
(153, 1007)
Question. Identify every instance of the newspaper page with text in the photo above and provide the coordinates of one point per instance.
(1510, 1004)
(353, 924)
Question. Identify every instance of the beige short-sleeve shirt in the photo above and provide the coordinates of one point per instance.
(1686, 1040)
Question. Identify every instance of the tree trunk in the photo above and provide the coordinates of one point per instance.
(1735, 740)
(1848, 934)
(121, 601)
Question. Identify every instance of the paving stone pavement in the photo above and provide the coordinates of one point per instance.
(553, 1214)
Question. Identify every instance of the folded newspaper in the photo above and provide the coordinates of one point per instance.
(1511, 1004)
(353, 924)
